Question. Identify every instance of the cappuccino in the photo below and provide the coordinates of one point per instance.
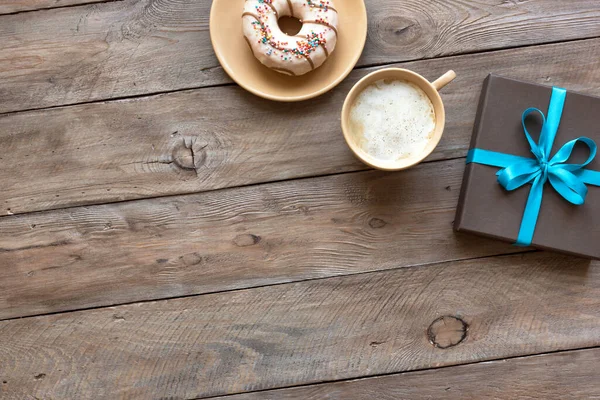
(392, 119)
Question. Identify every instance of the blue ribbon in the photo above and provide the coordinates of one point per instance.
(567, 179)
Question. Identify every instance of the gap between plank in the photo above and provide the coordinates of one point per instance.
(518, 250)
(60, 7)
(366, 66)
(475, 52)
(399, 373)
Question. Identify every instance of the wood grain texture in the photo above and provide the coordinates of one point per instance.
(104, 50)
(133, 47)
(220, 137)
(302, 333)
(237, 238)
(15, 6)
(570, 375)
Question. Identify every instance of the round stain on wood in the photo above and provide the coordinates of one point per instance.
(447, 331)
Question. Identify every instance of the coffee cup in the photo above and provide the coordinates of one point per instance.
(355, 137)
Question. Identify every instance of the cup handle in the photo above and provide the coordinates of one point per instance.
(443, 80)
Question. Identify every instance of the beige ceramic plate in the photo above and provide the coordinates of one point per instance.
(238, 61)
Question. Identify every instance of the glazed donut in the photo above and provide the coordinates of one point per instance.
(291, 55)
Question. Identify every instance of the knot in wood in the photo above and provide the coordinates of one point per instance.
(397, 30)
(246, 240)
(183, 157)
(377, 223)
(447, 331)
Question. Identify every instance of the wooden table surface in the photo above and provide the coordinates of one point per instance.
(167, 235)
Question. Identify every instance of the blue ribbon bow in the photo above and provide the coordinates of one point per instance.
(567, 179)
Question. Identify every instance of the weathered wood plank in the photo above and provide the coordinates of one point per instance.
(14, 6)
(219, 137)
(308, 332)
(105, 50)
(570, 375)
(237, 238)
(133, 47)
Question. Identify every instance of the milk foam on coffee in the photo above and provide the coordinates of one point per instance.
(394, 119)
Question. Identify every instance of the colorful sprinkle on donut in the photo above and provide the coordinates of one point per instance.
(273, 48)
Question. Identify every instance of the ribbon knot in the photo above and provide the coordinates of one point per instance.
(567, 179)
(544, 168)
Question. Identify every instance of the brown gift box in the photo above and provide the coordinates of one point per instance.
(486, 208)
